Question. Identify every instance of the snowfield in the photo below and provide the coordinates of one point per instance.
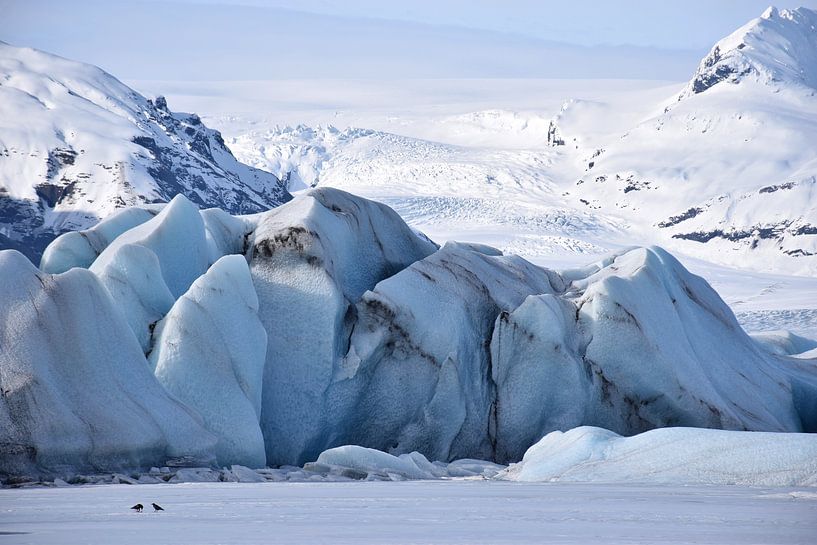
(453, 512)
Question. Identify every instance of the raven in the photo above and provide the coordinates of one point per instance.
(157, 507)
(138, 507)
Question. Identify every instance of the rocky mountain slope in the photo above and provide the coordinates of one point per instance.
(76, 144)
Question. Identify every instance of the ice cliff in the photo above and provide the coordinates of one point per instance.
(185, 336)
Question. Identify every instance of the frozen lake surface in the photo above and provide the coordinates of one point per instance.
(416, 512)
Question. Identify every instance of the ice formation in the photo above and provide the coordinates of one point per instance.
(149, 266)
(639, 344)
(209, 353)
(311, 261)
(671, 455)
(178, 239)
(77, 394)
(329, 322)
(783, 343)
(81, 248)
(409, 466)
(419, 353)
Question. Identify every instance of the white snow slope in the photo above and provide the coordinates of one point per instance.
(76, 144)
(729, 170)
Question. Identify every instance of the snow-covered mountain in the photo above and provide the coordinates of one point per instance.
(722, 168)
(779, 48)
(728, 169)
(76, 144)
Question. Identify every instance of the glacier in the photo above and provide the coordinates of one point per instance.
(725, 174)
(267, 339)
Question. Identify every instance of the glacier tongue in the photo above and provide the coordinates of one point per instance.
(77, 392)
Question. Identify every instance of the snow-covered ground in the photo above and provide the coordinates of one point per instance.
(420, 512)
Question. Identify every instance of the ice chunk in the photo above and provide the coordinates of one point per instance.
(638, 343)
(81, 248)
(664, 347)
(312, 259)
(420, 355)
(196, 475)
(473, 468)
(671, 455)
(209, 353)
(176, 235)
(244, 474)
(77, 391)
(356, 462)
(408, 466)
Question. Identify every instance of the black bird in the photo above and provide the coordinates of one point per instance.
(157, 507)
(138, 507)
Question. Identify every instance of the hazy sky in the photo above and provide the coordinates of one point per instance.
(676, 24)
(277, 39)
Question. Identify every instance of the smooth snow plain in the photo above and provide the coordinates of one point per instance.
(418, 512)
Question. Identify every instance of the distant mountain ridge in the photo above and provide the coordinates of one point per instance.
(76, 144)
